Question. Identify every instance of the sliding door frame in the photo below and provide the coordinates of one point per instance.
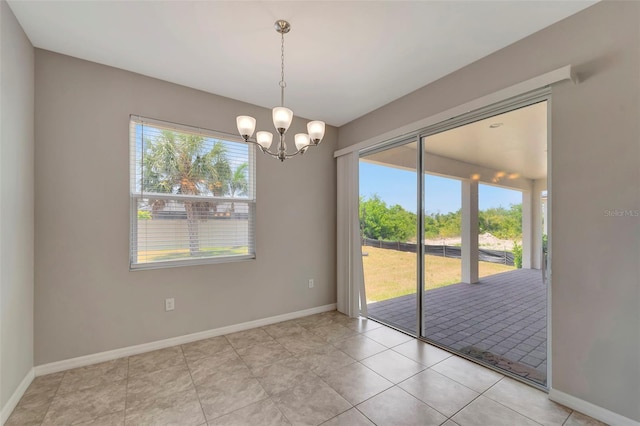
(388, 145)
(536, 96)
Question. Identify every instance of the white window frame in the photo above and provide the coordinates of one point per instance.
(134, 196)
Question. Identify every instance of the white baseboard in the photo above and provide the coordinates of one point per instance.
(16, 396)
(81, 361)
(590, 409)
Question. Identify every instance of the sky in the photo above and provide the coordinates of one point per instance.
(396, 186)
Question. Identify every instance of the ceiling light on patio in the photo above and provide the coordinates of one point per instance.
(496, 125)
(282, 118)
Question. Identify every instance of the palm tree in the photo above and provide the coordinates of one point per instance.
(238, 184)
(178, 163)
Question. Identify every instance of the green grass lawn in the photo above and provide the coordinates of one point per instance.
(391, 273)
(175, 254)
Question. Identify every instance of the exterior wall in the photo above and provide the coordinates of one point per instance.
(594, 169)
(16, 204)
(87, 300)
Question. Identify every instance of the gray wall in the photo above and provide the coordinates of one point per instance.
(16, 204)
(595, 167)
(87, 300)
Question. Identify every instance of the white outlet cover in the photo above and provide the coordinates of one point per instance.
(169, 304)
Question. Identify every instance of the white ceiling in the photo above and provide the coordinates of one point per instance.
(343, 58)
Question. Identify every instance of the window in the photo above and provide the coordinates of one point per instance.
(192, 195)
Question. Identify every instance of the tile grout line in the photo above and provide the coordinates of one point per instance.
(52, 399)
(331, 344)
(505, 406)
(394, 385)
(194, 386)
(476, 397)
(359, 362)
(365, 416)
(567, 419)
(126, 393)
(311, 371)
(250, 372)
(372, 396)
(444, 375)
(448, 417)
(462, 384)
(397, 384)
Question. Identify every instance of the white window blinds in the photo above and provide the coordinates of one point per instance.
(192, 195)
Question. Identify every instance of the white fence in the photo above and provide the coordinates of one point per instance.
(155, 234)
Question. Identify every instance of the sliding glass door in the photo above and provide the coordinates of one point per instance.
(442, 253)
(483, 288)
(453, 225)
(388, 225)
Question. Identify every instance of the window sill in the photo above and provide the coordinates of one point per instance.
(190, 262)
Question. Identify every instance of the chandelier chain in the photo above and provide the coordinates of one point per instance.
(282, 82)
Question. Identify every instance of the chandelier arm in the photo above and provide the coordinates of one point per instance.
(263, 149)
(270, 154)
(299, 152)
(287, 156)
(277, 155)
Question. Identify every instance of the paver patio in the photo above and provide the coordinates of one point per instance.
(501, 320)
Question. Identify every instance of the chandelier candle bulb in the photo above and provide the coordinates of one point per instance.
(264, 139)
(316, 131)
(282, 118)
(302, 140)
(246, 125)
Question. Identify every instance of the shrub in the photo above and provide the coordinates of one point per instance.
(144, 215)
(517, 254)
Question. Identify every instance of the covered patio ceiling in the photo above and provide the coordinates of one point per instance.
(508, 149)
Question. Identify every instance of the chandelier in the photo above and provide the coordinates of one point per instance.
(282, 118)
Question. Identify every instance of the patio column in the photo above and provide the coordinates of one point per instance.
(469, 231)
(527, 229)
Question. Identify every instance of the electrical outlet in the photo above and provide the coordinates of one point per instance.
(311, 283)
(169, 304)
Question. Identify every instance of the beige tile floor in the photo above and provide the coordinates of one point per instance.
(322, 369)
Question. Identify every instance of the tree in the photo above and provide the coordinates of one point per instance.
(380, 222)
(450, 224)
(178, 163)
(393, 223)
(372, 214)
(503, 223)
(238, 184)
(401, 225)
